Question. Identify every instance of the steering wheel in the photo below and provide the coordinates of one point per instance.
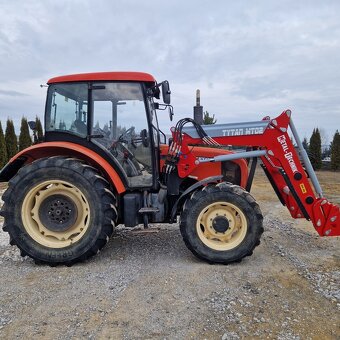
(125, 157)
(142, 138)
(128, 137)
(119, 146)
(122, 137)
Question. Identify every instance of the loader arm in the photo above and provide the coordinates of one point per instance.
(269, 140)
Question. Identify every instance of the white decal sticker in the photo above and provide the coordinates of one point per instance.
(288, 154)
(243, 131)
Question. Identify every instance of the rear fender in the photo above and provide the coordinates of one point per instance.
(49, 149)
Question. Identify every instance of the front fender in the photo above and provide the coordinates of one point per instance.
(49, 149)
(213, 179)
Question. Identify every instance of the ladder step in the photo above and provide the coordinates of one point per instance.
(147, 210)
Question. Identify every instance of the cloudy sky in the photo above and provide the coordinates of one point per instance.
(249, 58)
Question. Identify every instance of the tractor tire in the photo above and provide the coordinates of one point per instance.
(221, 223)
(59, 210)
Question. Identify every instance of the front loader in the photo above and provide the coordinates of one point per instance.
(105, 161)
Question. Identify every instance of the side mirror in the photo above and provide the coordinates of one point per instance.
(145, 138)
(166, 92)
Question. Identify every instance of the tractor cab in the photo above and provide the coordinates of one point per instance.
(113, 112)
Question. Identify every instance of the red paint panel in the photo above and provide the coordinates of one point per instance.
(204, 170)
(104, 76)
(49, 149)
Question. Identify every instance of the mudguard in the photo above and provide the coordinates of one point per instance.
(49, 149)
(213, 179)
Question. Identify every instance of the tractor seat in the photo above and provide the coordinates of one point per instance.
(80, 127)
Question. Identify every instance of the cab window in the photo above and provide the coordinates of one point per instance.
(119, 116)
(67, 108)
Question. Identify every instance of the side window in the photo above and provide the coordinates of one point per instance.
(67, 108)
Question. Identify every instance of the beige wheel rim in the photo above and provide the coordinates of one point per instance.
(221, 226)
(55, 214)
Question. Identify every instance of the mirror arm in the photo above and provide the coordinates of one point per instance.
(162, 107)
(154, 91)
(171, 112)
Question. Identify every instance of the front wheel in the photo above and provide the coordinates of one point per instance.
(221, 223)
(59, 210)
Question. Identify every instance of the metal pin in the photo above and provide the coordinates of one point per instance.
(286, 190)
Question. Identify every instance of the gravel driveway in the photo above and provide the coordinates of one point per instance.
(147, 285)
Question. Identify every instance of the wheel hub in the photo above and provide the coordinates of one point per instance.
(55, 213)
(220, 224)
(58, 213)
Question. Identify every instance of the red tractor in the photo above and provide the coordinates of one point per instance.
(105, 161)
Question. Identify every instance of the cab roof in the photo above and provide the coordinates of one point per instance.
(104, 76)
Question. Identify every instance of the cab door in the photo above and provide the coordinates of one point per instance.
(120, 125)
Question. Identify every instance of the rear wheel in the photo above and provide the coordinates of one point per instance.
(221, 223)
(59, 210)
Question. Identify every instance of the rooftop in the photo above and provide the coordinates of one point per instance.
(104, 76)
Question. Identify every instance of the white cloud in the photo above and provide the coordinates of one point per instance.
(248, 58)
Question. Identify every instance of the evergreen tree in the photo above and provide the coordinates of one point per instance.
(305, 144)
(3, 149)
(11, 139)
(335, 152)
(39, 129)
(207, 120)
(24, 138)
(315, 149)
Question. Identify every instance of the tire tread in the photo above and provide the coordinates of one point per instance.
(100, 184)
(200, 195)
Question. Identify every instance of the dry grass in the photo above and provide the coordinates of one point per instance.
(329, 181)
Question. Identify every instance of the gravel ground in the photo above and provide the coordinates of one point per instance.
(147, 285)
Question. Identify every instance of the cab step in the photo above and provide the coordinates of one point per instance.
(148, 210)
